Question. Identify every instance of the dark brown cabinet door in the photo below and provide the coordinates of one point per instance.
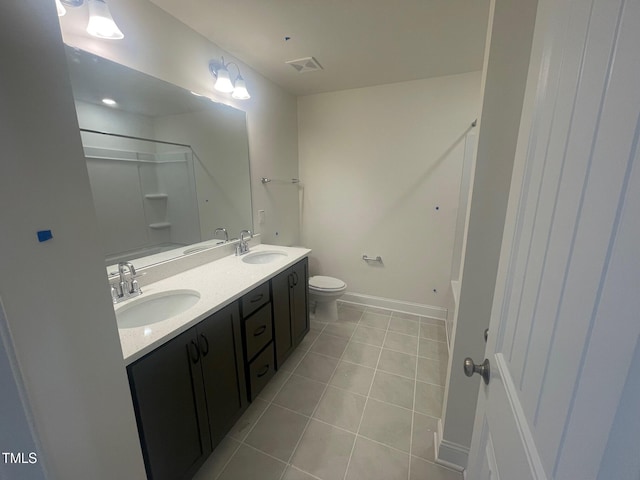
(170, 406)
(281, 285)
(220, 341)
(299, 293)
(290, 308)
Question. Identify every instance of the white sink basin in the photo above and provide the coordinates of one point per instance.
(260, 258)
(155, 308)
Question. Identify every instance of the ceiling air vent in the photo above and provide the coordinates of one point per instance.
(302, 65)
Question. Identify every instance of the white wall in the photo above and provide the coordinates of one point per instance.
(55, 294)
(157, 44)
(375, 163)
(506, 71)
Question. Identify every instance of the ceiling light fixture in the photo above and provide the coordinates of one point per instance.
(101, 23)
(220, 71)
(109, 101)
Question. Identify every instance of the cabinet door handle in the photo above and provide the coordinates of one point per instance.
(195, 350)
(264, 371)
(290, 279)
(256, 298)
(205, 351)
(295, 278)
(259, 331)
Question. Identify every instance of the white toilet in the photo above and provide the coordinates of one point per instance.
(323, 295)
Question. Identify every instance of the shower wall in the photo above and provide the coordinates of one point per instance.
(145, 203)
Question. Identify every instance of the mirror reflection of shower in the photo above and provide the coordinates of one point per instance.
(216, 183)
(144, 194)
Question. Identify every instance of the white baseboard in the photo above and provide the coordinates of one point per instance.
(449, 454)
(437, 313)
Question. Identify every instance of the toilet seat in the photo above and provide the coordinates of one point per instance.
(326, 284)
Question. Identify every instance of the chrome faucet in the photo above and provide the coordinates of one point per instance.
(125, 289)
(223, 230)
(243, 247)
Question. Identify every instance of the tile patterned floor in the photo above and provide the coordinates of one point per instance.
(358, 399)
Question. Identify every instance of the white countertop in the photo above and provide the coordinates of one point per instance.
(219, 284)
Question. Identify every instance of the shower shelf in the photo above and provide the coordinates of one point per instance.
(156, 196)
(159, 225)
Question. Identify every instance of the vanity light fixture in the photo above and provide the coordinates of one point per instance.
(220, 71)
(101, 23)
(60, 8)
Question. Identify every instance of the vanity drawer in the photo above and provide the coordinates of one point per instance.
(258, 331)
(260, 371)
(255, 299)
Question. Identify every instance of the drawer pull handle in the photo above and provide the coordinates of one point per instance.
(206, 343)
(259, 331)
(196, 358)
(257, 298)
(264, 371)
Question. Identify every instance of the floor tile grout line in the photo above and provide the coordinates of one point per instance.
(373, 440)
(224, 467)
(256, 449)
(304, 430)
(350, 340)
(342, 429)
(353, 447)
(342, 389)
(301, 470)
(385, 329)
(413, 414)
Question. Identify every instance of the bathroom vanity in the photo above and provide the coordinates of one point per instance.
(193, 375)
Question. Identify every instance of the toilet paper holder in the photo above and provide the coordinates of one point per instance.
(366, 258)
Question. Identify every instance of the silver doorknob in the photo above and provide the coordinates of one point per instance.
(483, 369)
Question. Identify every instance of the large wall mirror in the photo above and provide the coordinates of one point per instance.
(167, 168)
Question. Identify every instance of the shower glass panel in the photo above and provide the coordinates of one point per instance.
(144, 194)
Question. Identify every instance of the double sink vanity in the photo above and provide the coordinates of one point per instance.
(210, 328)
(200, 346)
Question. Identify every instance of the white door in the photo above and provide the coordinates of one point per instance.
(565, 318)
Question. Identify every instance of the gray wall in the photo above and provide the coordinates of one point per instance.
(16, 435)
(621, 459)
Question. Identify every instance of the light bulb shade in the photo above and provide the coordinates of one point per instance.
(101, 23)
(240, 91)
(60, 8)
(223, 81)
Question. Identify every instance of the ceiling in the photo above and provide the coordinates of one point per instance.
(357, 42)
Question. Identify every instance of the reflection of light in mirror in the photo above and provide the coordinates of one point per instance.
(196, 94)
(147, 331)
(109, 101)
